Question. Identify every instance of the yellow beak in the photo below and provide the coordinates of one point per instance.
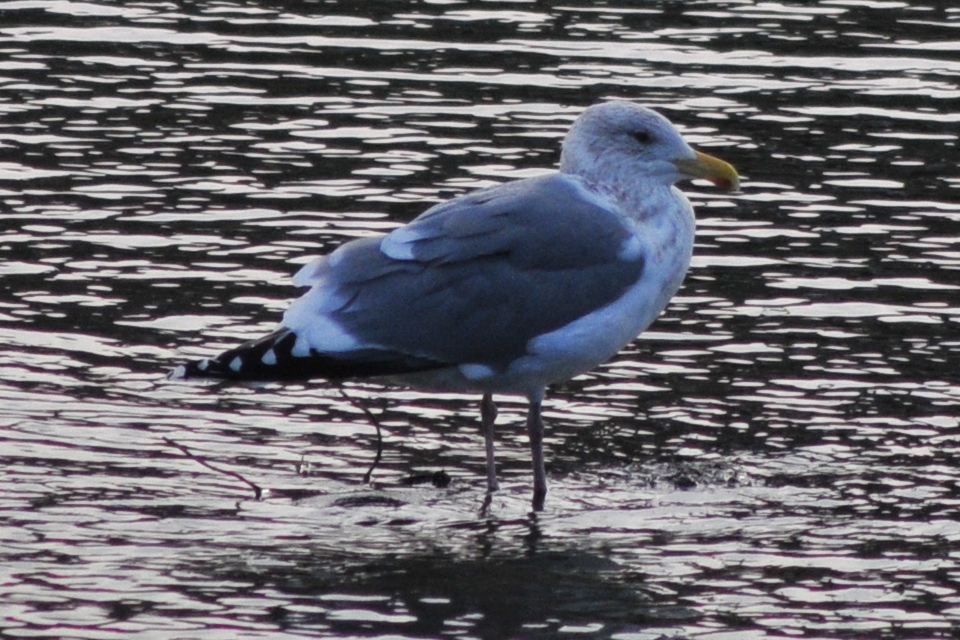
(709, 168)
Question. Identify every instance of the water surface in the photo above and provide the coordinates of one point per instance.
(777, 457)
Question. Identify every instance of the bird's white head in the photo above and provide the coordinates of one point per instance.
(624, 139)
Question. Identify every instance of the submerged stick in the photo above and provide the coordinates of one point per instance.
(376, 423)
(257, 491)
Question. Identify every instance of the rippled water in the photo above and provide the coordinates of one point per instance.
(777, 457)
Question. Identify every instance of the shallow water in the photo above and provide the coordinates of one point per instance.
(777, 457)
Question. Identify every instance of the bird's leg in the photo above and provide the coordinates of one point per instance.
(535, 431)
(488, 415)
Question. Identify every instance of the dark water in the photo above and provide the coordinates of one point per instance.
(778, 457)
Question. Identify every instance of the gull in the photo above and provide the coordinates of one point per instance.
(505, 290)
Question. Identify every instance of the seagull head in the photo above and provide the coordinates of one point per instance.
(620, 138)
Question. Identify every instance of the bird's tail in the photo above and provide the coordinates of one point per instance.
(275, 357)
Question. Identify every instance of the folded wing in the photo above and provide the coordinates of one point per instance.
(469, 281)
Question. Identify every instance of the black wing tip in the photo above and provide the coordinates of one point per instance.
(206, 368)
(245, 362)
(271, 358)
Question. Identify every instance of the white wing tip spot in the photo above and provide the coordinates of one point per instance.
(236, 364)
(301, 348)
(269, 358)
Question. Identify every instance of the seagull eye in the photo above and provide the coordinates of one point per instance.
(642, 137)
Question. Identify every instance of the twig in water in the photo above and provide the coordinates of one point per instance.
(257, 491)
(376, 423)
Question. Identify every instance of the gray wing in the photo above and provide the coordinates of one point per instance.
(474, 279)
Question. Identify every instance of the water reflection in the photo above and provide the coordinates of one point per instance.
(777, 457)
(544, 593)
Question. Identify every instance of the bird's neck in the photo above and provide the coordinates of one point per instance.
(639, 199)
